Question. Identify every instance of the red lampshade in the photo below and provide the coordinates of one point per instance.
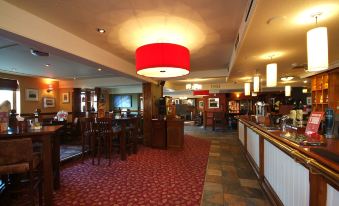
(201, 92)
(162, 60)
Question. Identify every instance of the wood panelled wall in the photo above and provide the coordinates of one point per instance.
(151, 95)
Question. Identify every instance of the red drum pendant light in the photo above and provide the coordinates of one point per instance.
(162, 60)
(201, 92)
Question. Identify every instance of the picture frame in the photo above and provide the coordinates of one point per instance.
(201, 104)
(213, 103)
(177, 101)
(48, 102)
(65, 97)
(32, 94)
(309, 100)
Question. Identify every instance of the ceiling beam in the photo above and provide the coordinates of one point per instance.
(16, 22)
(98, 82)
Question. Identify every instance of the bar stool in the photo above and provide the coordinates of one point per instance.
(104, 136)
(87, 136)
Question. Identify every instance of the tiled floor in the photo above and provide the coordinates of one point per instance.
(230, 179)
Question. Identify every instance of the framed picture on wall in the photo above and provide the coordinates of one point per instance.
(48, 102)
(309, 100)
(213, 102)
(32, 94)
(177, 101)
(65, 97)
(201, 104)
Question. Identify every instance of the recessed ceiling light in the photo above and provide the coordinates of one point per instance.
(101, 31)
(287, 78)
(47, 65)
(99, 69)
(305, 81)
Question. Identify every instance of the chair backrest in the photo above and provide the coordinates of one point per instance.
(88, 125)
(104, 124)
(16, 151)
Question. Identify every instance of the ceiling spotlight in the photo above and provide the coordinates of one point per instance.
(47, 65)
(101, 31)
(305, 81)
(99, 69)
(287, 78)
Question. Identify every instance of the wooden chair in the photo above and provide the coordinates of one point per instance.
(132, 134)
(17, 158)
(104, 136)
(71, 131)
(140, 135)
(87, 130)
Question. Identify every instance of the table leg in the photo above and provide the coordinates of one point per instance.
(123, 155)
(47, 169)
(56, 161)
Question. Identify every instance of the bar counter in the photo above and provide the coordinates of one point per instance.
(291, 173)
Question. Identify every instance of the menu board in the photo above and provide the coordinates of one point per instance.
(314, 122)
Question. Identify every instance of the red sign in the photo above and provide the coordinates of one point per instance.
(314, 122)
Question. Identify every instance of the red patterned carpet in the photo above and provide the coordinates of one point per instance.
(151, 177)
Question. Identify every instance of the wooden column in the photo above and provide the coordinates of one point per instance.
(76, 106)
(318, 190)
(151, 94)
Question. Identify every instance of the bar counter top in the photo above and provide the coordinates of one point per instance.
(325, 163)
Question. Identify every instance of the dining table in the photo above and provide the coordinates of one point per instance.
(50, 142)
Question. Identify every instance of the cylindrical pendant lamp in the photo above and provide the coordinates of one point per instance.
(271, 75)
(162, 60)
(247, 89)
(317, 49)
(256, 84)
(288, 89)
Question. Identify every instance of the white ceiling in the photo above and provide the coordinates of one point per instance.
(209, 29)
(17, 59)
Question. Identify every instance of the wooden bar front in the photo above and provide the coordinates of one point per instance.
(289, 173)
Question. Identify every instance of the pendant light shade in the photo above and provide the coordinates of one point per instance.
(317, 49)
(201, 93)
(162, 60)
(288, 90)
(247, 89)
(256, 83)
(271, 75)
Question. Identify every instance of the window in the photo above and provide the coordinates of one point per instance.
(13, 97)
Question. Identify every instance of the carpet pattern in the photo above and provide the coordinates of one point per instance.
(151, 177)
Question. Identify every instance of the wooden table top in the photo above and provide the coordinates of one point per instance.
(31, 132)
